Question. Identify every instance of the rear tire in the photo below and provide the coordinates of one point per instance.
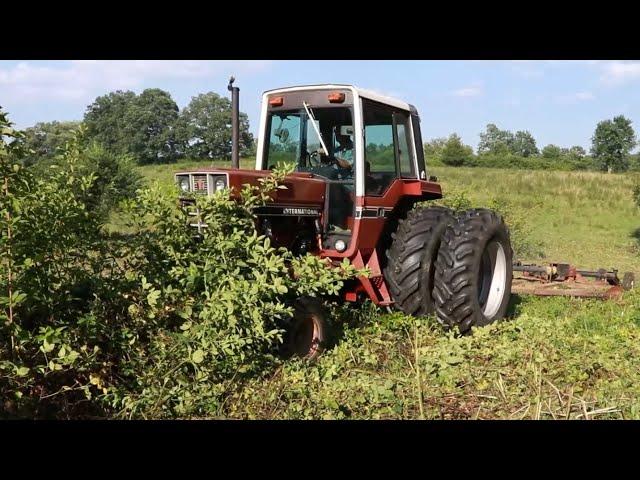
(411, 259)
(473, 271)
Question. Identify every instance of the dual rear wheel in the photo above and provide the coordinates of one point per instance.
(458, 267)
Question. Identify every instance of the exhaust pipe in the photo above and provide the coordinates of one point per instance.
(235, 124)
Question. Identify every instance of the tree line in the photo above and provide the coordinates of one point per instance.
(148, 127)
(611, 146)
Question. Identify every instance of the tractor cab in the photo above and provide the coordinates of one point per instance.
(360, 143)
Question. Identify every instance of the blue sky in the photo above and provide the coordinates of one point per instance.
(559, 102)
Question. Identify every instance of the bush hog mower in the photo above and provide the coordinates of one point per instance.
(358, 172)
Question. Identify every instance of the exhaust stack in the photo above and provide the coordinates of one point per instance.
(235, 124)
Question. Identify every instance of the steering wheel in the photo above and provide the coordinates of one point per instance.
(315, 160)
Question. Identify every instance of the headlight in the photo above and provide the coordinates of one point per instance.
(220, 183)
(183, 182)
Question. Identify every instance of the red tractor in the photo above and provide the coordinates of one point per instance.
(358, 191)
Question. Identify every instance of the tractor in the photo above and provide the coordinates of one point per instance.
(360, 190)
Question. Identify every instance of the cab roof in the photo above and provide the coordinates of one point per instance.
(370, 94)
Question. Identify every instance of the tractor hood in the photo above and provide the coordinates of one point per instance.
(304, 193)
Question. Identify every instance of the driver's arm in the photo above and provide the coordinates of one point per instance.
(346, 160)
(343, 163)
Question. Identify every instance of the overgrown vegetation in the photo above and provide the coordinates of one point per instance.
(148, 324)
(555, 358)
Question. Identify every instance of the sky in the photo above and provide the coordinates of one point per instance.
(559, 102)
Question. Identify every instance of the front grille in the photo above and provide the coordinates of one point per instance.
(200, 184)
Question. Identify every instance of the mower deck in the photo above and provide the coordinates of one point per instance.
(561, 279)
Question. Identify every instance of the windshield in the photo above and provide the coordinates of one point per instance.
(312, 139)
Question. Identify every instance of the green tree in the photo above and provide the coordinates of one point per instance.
(434, 147)
(577, 152)
(150, 126)
(551, 151)
(106, 119)
(524, 144)
(496, 141)
(205, 127)
(612, 142)
(455, 153)
(46, 139)
(139, 125)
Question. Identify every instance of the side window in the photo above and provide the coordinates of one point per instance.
(388, 146)
(380, 162)
(284, 140)
(405, 154)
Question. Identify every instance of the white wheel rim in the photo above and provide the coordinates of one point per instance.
(493, 279)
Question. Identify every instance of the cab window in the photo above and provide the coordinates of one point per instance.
(388, 153)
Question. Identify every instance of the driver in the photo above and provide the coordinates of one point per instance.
(344, 150)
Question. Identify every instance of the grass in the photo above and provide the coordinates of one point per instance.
(585, 218)
(553, 358)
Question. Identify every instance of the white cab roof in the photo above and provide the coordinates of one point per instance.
(370, 94)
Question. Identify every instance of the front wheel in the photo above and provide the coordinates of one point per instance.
(473, 271)
(306, 336)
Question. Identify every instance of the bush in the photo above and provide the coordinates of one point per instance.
(455, 153)
(206, 314)
(532, 163)
(46, 278)
(153, 323)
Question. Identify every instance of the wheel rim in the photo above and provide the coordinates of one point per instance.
(493, 278)
(304, 338)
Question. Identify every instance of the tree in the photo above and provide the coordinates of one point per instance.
(46, 139)
(576, 152)
(205, 127)
(551, 151)
(139, 125)
(496, 141)
(455, 153)
(434, 147)
(105, 120)
(612, 142)
(524, 144)
(150, 124)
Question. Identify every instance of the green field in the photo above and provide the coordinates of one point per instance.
(552, 358)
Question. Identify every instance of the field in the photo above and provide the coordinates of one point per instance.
(552, 358)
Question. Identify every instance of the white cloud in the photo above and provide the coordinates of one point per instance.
(527, 68)
(83, 80)
(471, 91)
(576, 97)
(618, 72)
(584, 96)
